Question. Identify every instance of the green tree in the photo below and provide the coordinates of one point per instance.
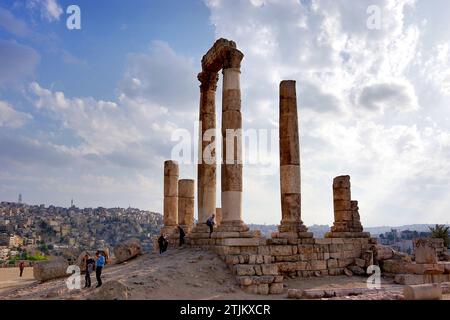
(441, 232)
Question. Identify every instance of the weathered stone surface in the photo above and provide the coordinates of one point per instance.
(269, 269)
(423, 292)
(111, 290)
(243, 242)
(295, 293)
(127, 250)
(357, 270)
(399, 267)
(424, 251)
(48, 270)
(276, 288)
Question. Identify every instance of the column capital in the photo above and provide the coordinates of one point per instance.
(232, 59)
(208, 80)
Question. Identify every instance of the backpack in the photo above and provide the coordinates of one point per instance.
(90, 267)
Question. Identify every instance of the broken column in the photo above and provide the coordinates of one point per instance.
(186, 204)
(170, 196)
(206, 168)
(291, 223)
(347, 221)
(231, 171)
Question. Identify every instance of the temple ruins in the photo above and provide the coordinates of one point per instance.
(261, 264)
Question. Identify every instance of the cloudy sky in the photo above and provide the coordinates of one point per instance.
(89, 114)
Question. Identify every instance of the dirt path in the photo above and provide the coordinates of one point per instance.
(9, 278)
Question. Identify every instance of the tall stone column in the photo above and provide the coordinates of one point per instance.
(290, 162)
(206, 168)
(186, 190)
(218, 216)
(231, 171)
(171, 173)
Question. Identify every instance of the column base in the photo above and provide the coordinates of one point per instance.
(347, 235)
(292, 227)
(232, 226)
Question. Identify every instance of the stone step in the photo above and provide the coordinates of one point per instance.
(242, 242)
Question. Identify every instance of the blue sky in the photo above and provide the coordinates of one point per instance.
(88, 114)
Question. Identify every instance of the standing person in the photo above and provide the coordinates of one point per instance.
(210, 223)
(161, 243)
(182, 235)
(21, 268)
(166, 242)
(90, 265)
(99, 264)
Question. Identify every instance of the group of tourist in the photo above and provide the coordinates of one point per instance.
(163, 241)
(92, 264)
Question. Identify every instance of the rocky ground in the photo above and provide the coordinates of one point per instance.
(182, 274)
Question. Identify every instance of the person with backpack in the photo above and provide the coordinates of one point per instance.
(90, 266)
(182, 235)
(210, 223)
(99, 264)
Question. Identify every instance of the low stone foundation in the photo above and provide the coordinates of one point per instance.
(261, 264)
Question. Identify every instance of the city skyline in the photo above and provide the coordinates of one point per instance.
(89, 114)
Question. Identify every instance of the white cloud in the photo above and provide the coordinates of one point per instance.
(49, 9)
(11, 118)
(344, 73)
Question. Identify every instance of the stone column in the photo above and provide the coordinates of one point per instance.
(218, 216)
(170, 194)
(232, 140)
(206, 168)
(347, 223)
(290, 161)
(342, 204)
(186, 204)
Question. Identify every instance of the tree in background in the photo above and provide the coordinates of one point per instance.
(441, 232)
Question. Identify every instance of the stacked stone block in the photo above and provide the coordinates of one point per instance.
(347, 223)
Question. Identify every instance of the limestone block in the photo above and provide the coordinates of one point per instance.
(269, 269)
(281, 250)
(170, 211)
(244, 270)
(424, 251)
(252, 289)
(383, 252)
(290, 206)
(423, 292)
(186, 188)
(290, 179)
(343, 194)
(343, 215)
(342, 205)
(289, 151)
(48, 270)
(276, 288)
(244, 280)
(232, 177)
(127, 250)
(318, 264)
(341, 182)
(231, 78)
(171, 168)
(332, 263)
(111, 290)
(323, 241)
(263, 289)
(243, 242)
(295, 293)
(170, 186)
(231, 100)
